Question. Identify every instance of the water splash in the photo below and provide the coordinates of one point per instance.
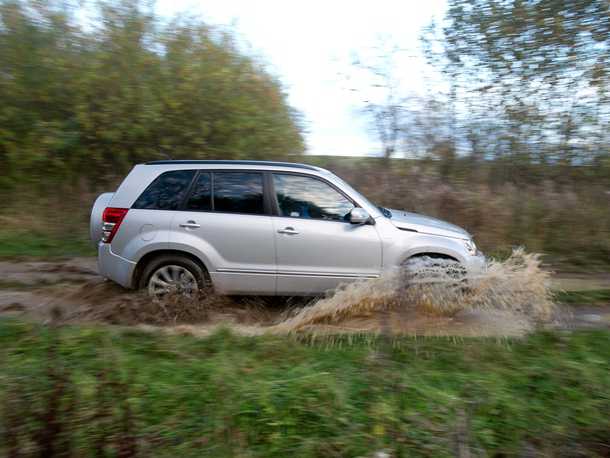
(507, 298)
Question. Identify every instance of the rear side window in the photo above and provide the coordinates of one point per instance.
(201, 195)
(166, 192)
(238, 192)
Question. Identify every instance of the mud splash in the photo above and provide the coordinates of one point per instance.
(508, 298)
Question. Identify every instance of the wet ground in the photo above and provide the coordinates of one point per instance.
(580, 281)
(72, 291)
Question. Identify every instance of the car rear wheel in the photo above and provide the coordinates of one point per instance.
(174, 275)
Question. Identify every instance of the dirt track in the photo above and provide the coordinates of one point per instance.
(72, 291)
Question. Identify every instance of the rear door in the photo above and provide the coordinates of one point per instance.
(317, 247)
(226, 220)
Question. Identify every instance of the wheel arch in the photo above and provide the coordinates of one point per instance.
(434, 254)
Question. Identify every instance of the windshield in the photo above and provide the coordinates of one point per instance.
(384, 211)
(351, 190)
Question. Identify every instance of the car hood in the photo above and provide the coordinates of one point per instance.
(426, 225)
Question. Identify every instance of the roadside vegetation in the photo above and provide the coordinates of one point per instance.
(97, 391)
(79, 106)
(587, 297)
(568, 222)
(16, 244)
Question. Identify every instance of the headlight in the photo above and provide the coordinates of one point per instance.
(470, 247)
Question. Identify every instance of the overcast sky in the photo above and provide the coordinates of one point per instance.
(310, 44)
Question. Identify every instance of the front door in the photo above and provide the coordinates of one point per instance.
(317, 247)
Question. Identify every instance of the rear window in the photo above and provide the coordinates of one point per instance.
(238, 192)
(166, 192)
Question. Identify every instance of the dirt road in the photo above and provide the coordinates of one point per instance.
(72, 291)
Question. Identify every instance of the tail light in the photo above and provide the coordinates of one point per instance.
(111, 220)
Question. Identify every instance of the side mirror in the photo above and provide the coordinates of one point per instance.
(359, 216)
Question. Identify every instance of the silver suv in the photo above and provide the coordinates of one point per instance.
(253, 227)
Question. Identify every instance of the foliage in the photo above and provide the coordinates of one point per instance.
(566, 220)
(587, 297)
(526, 82)
(226, 395)
(88, 98)
(529, 79)
(18, 244)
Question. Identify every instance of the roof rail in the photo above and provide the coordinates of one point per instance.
(233, 162)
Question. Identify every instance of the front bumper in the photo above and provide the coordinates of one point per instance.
(114, 267)
(475, 265)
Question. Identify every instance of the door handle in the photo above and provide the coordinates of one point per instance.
(190, 224)
(288, 230)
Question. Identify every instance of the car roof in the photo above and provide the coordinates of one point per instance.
(237, 162)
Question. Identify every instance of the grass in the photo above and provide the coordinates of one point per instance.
(24, 244)
(588, 297)
(125, 390)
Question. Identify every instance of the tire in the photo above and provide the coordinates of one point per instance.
(434, 269)
(183, 269)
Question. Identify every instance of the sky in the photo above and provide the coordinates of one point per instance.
(310, 46)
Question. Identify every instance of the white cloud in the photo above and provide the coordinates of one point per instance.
(309, 44)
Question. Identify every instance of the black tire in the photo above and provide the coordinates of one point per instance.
(433, 268)
(200, 274)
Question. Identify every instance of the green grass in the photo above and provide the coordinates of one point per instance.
(227, 395)
(588, 297)
(16, 244)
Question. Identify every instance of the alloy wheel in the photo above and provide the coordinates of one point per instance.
(172, 279)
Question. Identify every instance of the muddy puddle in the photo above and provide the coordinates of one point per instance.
(510, 298)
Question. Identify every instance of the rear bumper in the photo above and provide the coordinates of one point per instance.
(115, 267)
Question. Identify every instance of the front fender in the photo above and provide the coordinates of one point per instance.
(431, 249)
(404, 245)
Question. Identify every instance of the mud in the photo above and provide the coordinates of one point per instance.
(509, 299)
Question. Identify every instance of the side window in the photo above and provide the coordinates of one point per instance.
(201, 195)
(238, 192)
(304, 197)
(166, 191)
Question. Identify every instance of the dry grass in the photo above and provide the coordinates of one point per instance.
(565, 218)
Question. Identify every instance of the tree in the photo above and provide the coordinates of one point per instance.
(382, 101)
(91, 101)
(538, 71)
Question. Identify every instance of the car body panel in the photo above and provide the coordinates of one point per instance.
(322, 254)
(426, 224)
(239, 249)
(141, 231)
(114, 267)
